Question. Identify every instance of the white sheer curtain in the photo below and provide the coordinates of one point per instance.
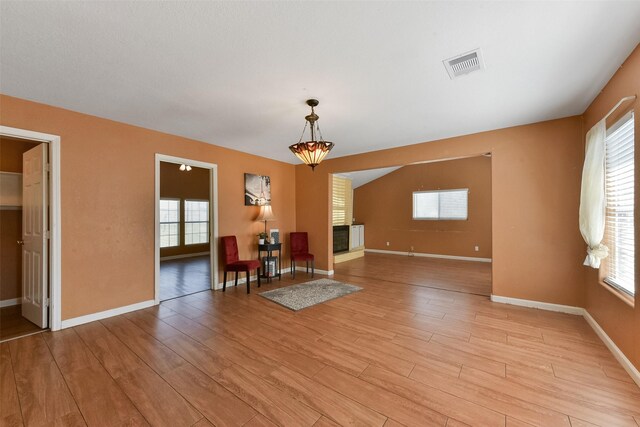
(592, 196)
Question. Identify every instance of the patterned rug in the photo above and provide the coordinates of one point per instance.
(297, 297)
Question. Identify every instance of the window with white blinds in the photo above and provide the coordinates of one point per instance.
(619, 228)
(441, 204)
(342, 201)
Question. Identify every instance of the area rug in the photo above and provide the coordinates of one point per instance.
(297, 297)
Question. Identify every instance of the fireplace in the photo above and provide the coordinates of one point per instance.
(340, 238)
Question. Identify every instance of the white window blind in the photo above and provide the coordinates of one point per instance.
(441, 204)
(169, 222)
(619, 227)
(342, 201)
(196, 222)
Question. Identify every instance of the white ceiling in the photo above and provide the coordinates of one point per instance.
(236, 74)
(360, 178)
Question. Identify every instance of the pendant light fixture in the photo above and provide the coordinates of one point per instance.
(311, 152)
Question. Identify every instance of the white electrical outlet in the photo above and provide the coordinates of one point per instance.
(387, 243)
(411, 248)
(477, 248)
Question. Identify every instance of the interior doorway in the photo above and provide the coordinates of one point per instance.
(430, 219)
(186, 227)
(27, 247)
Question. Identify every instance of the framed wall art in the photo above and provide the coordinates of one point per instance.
(257, 190)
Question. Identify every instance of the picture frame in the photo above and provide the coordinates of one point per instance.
(274, 233)
(257, 190)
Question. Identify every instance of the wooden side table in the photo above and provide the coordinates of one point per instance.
(270, 248)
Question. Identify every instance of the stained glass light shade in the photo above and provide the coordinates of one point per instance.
(311, 152)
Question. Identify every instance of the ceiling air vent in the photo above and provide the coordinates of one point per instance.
(464, 64)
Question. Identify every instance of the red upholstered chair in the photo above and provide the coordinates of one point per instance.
(233, 263)
(300, 251)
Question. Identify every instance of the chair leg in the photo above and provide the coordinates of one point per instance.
(293, 269)
(313, 267)
(307, 267)
(258, 276)
(248, 281)
(236, 278)
(224, 283)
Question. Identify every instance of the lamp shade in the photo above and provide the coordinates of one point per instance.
(266, 214)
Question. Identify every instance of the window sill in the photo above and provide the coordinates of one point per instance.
(626, 298)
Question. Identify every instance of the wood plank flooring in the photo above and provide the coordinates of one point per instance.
(391, 355)
(436, 273)
(184, 276)
(12, 324)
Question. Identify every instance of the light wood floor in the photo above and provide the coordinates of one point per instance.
(462, 276)
(392, 354)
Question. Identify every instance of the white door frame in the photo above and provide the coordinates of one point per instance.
(55, 241)
(213, 216)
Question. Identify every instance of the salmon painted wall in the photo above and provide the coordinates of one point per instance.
(11, 150)
(107, 173)
(619, 319)
(177, 184)
(396, 225)
(11, 223)
(536, 244)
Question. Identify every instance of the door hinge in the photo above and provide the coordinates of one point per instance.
(47, 302)
(47, 234)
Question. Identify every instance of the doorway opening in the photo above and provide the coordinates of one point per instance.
(428, 222)
(186, 227)
(29, 233)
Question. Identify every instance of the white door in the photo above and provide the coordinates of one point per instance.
(34, 226)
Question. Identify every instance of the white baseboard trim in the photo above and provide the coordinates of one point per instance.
(317, 270)
(167, 258)
(10, 302)
(418, 254)
(617, 353)
(569, 309)
(243, 280)
(105, 314)
(613, 348)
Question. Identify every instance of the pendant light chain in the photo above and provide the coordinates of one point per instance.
(320, 138)
(304, 129)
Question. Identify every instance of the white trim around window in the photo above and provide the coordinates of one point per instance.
(441, 205)
(196, 221)
(619, 267)
(170, 237)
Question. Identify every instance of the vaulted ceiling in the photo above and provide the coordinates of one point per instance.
(237, 74)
